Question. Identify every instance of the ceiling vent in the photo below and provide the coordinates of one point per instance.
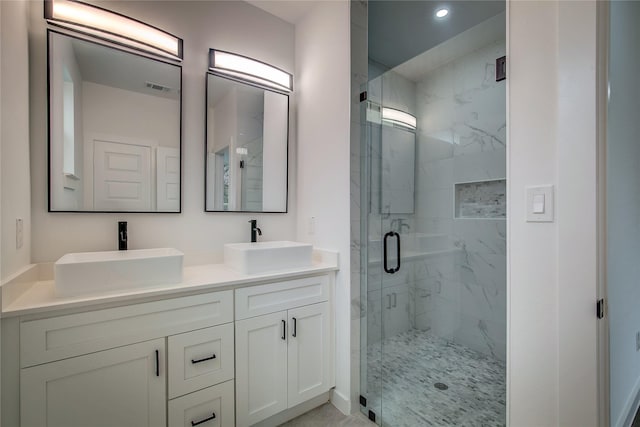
(158, 87)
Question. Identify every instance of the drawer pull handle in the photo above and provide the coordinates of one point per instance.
(194, 361)
(196, 423)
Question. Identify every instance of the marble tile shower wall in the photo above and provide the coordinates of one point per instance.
(461, 296)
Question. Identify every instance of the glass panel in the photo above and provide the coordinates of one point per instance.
(371, 256)
(623, 210)
(436, 351)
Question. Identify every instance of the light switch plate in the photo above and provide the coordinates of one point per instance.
(537, 196)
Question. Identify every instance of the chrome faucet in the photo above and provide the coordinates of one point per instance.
(255, 231)
(122, 235)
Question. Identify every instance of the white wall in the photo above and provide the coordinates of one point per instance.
(532, 369)
(551, 140)
(576, 214)
(623, 210)
(14, 133)
(113, 111)
(202, 25)
(322, 72)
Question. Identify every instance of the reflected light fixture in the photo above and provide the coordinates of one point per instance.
(442, 12)
(249, 70)
(398, 117)
(112, 26)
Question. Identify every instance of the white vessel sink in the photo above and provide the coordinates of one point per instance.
(94, 272)
(262, 257)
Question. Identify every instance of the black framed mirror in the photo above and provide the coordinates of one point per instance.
(115, 128)
(246, 149)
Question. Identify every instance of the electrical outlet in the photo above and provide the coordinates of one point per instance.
(312, 225)
(638, 341)
(19, 233)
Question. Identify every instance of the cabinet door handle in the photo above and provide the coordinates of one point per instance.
(395, 300)
(194, 361)
(388, 301)
(157, 363)
(295, 326)
(284, 330)
(196, 423)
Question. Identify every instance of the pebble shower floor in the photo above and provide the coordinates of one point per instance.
(414, 362)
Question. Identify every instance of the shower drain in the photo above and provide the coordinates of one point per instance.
(441, 386)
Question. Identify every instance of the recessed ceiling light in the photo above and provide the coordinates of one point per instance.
(442, 12)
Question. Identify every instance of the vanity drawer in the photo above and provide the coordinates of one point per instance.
(211, 407)
(200, 359)
(258, 300)
(55, 338)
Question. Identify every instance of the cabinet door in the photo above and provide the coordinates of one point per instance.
(308, 352)
(121, 387)
(261, 367)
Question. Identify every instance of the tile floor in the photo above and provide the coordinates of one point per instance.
(414, 362)
(327, 415)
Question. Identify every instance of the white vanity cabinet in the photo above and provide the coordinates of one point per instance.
(216, 359)
(283, 347)
(118, 366)
(123, 387)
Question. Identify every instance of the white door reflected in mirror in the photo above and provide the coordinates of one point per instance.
(247, 136)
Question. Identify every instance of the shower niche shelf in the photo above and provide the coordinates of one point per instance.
(481, 199)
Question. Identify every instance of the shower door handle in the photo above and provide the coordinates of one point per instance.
(385, 250)
(398, 252)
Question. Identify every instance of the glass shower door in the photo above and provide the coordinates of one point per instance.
(433, 233)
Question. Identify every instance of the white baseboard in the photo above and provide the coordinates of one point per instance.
(341, 402)
(296, 411)
(625, 418)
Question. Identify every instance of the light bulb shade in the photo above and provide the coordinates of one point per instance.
(112, 26)
(399, 117)
(250, 70)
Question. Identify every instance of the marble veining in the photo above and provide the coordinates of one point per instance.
(405, 367)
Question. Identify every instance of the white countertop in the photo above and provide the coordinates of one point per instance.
(27, 293)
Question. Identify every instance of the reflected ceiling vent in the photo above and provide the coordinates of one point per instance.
(158, 87)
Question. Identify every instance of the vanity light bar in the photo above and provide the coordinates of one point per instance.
(399, 117)
(112, 26)
(249, 70)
